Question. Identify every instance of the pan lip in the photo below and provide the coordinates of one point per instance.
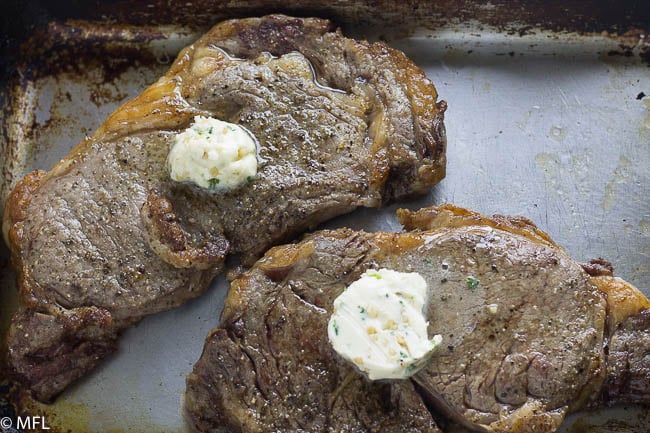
(25, 18)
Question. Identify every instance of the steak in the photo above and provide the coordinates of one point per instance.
(106, 237)
(528, 334)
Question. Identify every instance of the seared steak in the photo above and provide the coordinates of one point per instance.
(106, 238)
(525, 334)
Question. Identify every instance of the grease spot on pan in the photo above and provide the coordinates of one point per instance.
(567, 170)
(523, 122)
(557, 133)
(60, 416)
(620, 175)
(644, 129)
(645, 227)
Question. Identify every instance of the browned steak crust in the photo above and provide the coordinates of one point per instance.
(105, 238)
(521, 349)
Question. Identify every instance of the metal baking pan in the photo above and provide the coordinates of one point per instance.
(547, 118)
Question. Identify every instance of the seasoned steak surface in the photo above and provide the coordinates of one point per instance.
(269, 368)
(524, 332)
(106, 237)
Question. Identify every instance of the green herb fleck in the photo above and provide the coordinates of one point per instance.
(427, 261)
(232, 128)
(249, 179)
(213, 182)
(374, 274)
(402, 355)
(210, 130)
(362, 310)
(335, 327)
(411, 368)
(472, 283)
(401, 302)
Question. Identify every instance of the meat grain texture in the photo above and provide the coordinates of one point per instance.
(528, 335)
(106, 238)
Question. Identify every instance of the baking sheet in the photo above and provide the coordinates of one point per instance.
(549, 125)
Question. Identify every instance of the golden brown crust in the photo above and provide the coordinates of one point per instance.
(623, 299)
(16, 203)
(422, 96)
(451, 216)
(280, 261)
(12, 228)
(166, 237)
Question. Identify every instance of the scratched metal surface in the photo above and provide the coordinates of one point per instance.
(544, 125)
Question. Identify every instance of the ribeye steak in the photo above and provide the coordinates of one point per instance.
(106, 238)
(528, 338)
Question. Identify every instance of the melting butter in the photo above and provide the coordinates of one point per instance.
(213, 154)
(378, 324)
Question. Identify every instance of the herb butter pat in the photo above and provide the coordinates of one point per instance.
(378, 324)
(213, 154)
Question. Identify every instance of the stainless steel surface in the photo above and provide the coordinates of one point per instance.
(545, 125)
